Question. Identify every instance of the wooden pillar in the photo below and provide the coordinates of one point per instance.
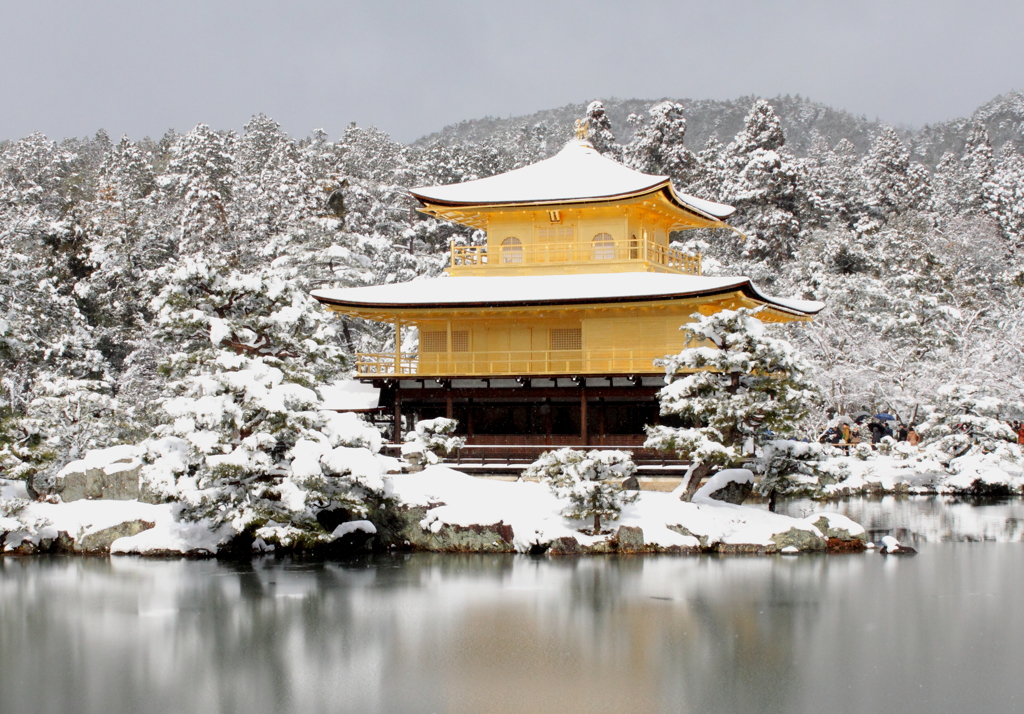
(600, 413)
(583, 415)
(449, 366)
(448, 410)
(469, 418)
(547, 423)
(398, 415)
(398, 347)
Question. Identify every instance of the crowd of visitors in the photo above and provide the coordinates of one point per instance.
(864, 428)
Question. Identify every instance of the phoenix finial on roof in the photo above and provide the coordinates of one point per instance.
(581, 129)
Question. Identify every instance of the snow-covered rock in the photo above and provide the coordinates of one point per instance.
(448, 510)
(729, 485)
(109, 474)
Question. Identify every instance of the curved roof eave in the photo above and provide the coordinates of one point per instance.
(714, 287)
(681, 201)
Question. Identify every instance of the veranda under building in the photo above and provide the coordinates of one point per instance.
(547, 335)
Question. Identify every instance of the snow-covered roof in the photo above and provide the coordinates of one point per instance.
(349, 396)
(523, 290)
(577, 173)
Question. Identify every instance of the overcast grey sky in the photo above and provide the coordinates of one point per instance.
(140, 67)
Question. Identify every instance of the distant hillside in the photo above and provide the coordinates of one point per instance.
(1003, 117)
(802, 120)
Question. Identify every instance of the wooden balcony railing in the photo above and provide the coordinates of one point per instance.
(470, 257)
(511, 363)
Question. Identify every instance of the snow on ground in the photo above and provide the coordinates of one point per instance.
(170, 536)
(918, 473)
(451, 498)
(535, 513)
(12, 489)
(40, 520)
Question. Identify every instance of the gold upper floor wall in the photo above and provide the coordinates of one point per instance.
(627, 236)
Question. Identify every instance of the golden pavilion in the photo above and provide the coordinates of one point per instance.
(548, 334)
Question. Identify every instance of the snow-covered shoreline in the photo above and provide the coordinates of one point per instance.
(439, 509)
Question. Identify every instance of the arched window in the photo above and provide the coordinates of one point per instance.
(634, 247)
(511, 250)
(604, 247)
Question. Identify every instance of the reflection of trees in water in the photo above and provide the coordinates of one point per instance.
(733, 645)
(411, 633)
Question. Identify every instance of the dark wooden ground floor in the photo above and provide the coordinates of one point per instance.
(558, 412)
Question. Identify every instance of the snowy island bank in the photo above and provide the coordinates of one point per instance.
(437, 509)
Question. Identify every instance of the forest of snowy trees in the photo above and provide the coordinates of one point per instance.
(161, 287)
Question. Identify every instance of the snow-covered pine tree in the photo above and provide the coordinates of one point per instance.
(1005, 195)
(894, 183)
(758, 176)
(200, 178)
(657, 145)
(735, 383)
(591, 482)
(834, 183)
(430, 441)
(971, 420)
(599, 131)
(55, 391)
(251, 349)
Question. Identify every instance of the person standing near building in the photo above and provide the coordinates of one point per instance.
(913, 438)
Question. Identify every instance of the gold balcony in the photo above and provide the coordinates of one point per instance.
(612, 360)
(611, 256)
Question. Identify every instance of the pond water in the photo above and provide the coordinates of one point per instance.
(925, 519)
(938, 632)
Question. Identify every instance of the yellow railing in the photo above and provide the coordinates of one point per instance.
(511, 363)
(510, 257)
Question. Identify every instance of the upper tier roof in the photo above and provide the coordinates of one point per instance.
(549, 290)
(576, 174)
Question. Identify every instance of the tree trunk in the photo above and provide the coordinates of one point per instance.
(597, 524)
(697, 474)
(771, 500)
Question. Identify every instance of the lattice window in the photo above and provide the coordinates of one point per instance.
(460, 341)
(567, 338)
(555, 234)
(434, 341)
(511, 250)
(604, 247)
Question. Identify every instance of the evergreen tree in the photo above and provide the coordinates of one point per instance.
(657, 146)
(894, 183)
(736, 383)
(590, 481)
(763, 181)
(599, 131)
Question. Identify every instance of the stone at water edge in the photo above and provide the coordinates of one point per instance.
(840, 539)
(566, 545)
(800, 539)
(891, 546)
(101, 540)
(630, 539)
